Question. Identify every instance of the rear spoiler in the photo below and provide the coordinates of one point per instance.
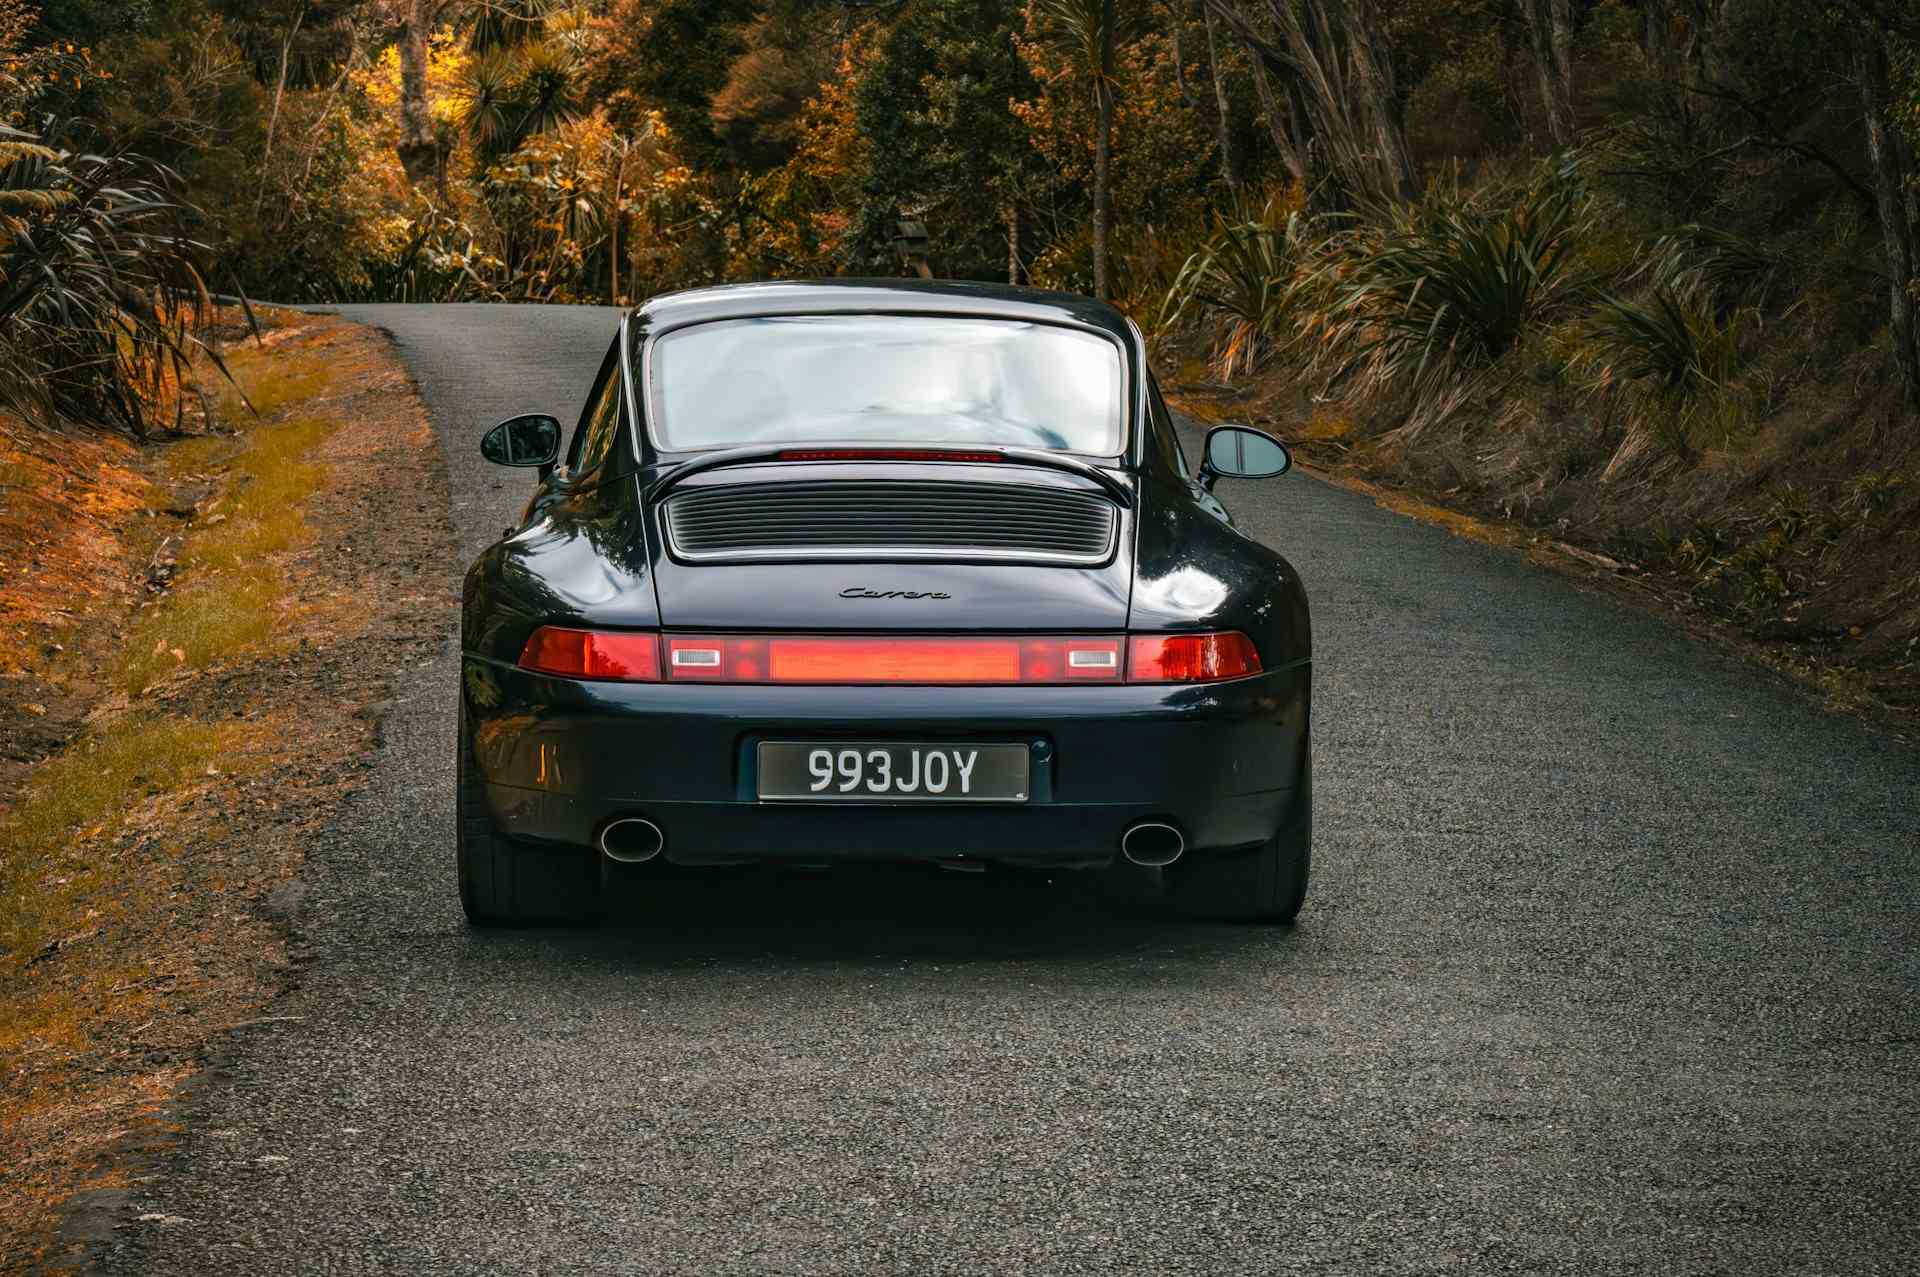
(667, 482)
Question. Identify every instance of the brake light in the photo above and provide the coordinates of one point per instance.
(627, 657)
(887, 454)
(1192, 658)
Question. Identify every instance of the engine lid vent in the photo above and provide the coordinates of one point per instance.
(892, 519)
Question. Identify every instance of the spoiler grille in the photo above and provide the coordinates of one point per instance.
(899, 519)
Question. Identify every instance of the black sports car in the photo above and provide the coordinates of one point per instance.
(881, 570)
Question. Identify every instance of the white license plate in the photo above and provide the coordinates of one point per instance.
(891, 771)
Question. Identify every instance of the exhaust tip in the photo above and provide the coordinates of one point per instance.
(1152, 844)
(631, 840)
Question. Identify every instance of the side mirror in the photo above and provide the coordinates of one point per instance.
(1241, 452)
(532, 440)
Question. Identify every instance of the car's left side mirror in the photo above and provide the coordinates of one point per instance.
(1241, 452)
(531, 440)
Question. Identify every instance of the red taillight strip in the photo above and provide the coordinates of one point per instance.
(880, 659)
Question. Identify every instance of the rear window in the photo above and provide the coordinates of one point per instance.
(885, 379)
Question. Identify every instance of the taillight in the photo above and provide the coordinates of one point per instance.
(1191, 658)
(779, 658)
(983, 660)
(627, 657)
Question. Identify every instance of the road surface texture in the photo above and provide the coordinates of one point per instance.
(1609, 966)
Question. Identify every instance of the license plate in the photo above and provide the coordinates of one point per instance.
(892, 771)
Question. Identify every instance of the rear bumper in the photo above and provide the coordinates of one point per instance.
(561, 758)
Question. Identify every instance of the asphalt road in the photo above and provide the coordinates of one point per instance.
(1609, 966)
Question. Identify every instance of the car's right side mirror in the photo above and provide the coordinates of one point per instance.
(1241, 452)
(530, 440)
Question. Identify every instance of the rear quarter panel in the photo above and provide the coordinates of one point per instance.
(1194, 572)
(583, 560)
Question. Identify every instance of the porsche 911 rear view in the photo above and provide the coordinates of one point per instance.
(846, 572)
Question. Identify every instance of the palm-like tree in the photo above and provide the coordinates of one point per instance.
(513, 95)
(1092, 31)
(508, 24)
(103, 309)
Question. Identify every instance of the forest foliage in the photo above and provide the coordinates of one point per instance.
(1389, 194)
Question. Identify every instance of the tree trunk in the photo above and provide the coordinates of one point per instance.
(1662, 54)
(1013, 243)
(1343, 73)
(273, 117)
(1373, 77)
(1551, 24)
(418, 149)
(1103, 153)
(1371, 67)
(613, 227)
(1174, 23)
(1887, 159)
(1670, 57)
(1280, 125)
(1229, 166)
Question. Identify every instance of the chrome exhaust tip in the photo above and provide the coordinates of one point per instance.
(631, 840)
(1152, 844)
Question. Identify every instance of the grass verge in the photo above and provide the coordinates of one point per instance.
(57, 891)
(231, 591)
(196, 661)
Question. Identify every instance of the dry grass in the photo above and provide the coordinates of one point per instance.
(199, 454)
(200, 624)
(82, 494)
(230, 594)
(87, 794)
(270, 382)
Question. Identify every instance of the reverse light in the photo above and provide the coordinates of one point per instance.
(596, 654)
(1191, 658)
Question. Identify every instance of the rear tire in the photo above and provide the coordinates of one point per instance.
(1266, 884)
(505, 883)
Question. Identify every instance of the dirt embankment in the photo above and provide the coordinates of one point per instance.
(1798, 544)
(200, 635)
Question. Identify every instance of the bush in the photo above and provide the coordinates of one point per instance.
(1669, 360)
(1669, 357)
(1245, 274)
(1438, 290)
(102, 303)
(433, 257)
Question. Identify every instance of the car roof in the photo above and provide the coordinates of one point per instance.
(854, 296)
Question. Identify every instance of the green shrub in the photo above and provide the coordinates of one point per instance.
(1438, 290)
(1245, 273)
(1669, 360)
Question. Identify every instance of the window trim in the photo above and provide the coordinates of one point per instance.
(610, 375)
(1157, 410)
(1130, 404)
